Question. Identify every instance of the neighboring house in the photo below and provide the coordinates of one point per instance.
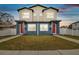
(7, 26)
(74, 26)
(72, 29)
(6, 30)
(64, 30)
(38, 20)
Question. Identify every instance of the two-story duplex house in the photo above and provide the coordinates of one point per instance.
(37, 20)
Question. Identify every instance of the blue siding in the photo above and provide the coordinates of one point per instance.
(38, 28)
(17, 28)
(57, 27)
(51, 27)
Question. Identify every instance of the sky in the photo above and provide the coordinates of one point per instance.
(68, 13)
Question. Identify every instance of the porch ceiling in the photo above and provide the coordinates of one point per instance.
(37, 21)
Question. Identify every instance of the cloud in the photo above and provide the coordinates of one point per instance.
(68, 7)
(73, 5)
(65, 21)
(63, 9)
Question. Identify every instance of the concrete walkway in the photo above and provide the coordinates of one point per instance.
(9, 38)
(48, 52)
(66, 38)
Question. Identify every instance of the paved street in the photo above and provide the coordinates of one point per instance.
(49, 52)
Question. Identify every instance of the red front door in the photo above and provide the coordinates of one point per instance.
(21, 28)
(54, 28)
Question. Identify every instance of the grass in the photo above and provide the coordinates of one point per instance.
(73, 37)
(38, 43)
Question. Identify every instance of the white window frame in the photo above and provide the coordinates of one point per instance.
(50, 15)
(31, 27)
(41, 14)
(44, 27)
(34, 14)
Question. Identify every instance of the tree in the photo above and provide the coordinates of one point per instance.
(6, 18)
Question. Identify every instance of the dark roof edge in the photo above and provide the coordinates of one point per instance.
(38, 5)
(24, 8)
(74, 23)
(51, 8)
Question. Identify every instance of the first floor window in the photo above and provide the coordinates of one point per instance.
(43, 27)
(31, 27)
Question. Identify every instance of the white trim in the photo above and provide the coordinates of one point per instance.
(45, 27)
(31, 27)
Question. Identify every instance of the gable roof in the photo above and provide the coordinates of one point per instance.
(38, 5)
(46, 8)
(75, 22)
(25, 8)
(51, 8)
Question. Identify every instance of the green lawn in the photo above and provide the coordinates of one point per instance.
(37, 43)
(73, 37)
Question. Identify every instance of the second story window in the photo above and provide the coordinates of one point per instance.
(39, 14)
(25, 15)
(49, 15)
(34, 14)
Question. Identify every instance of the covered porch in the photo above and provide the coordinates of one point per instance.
(37, 28)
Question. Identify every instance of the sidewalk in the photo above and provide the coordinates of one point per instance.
(48, 52)
(66, 38)
(9, 38)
